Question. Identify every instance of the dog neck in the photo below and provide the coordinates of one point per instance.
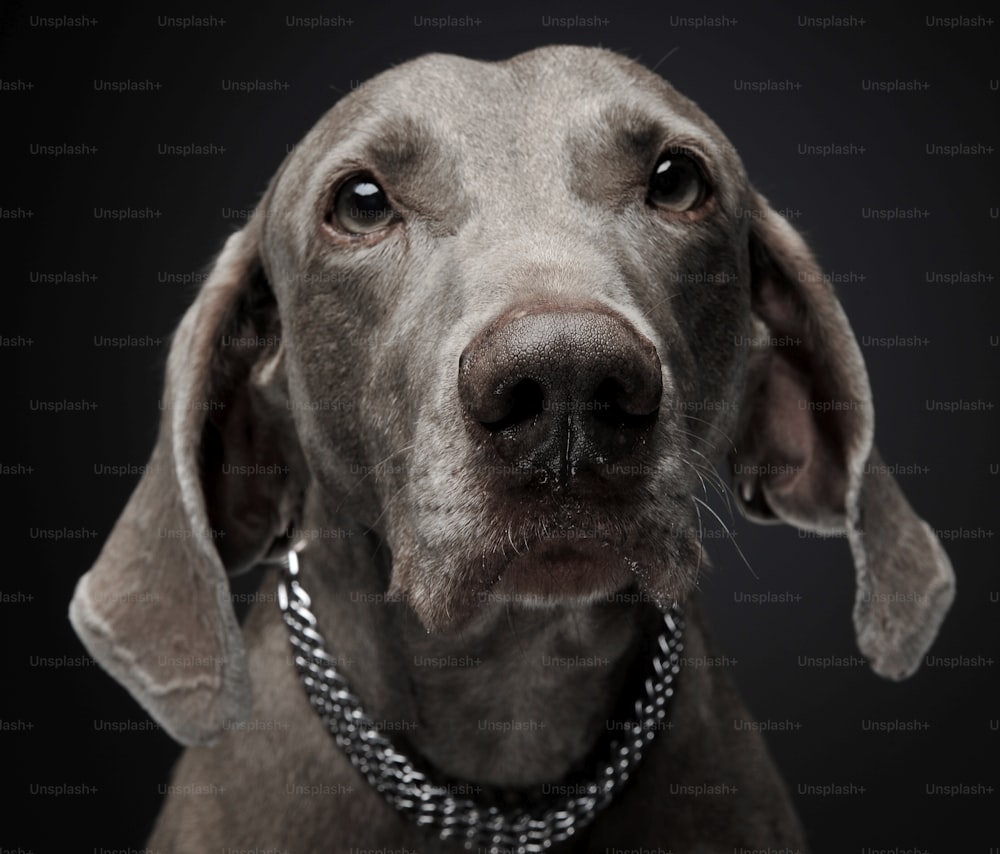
(517, 699)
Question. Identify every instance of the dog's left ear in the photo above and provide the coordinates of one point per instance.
(804, 450)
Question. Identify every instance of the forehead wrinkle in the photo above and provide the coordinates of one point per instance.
(398, 144)
(645, 131)
(438, 125)
(390, 144)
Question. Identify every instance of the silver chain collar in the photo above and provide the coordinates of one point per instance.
(524, 830)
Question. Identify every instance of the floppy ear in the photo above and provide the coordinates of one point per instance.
(804, 450)
(223, 482)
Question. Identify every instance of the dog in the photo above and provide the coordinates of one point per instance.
(458, 382)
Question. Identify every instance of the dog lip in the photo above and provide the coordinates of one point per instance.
(560, 569)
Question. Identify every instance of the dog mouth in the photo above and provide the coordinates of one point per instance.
(560, 570)
(469, 554)
(450, 585)
(580, 557)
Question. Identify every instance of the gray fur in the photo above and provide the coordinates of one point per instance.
(519, 183)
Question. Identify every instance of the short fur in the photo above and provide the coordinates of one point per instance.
(313, 393)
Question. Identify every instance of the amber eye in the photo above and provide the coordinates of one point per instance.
(677, 183)
(361, 206)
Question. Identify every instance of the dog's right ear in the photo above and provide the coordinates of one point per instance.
(224, 481)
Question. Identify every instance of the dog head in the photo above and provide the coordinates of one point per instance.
(509, 316)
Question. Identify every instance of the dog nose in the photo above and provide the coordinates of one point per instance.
(561, 390)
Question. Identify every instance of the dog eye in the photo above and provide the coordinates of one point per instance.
(361, 206)
(677, 184)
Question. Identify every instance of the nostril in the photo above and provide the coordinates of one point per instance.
(615, 407)
(522, 402)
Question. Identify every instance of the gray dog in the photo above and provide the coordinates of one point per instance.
(463, 373)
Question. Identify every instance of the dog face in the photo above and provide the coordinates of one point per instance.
(531, 331)
(510, 315)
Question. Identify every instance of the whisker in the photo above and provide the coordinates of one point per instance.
(697, 474)
(720, 487)
(510, 538)
(716, 428)
(701, 549)
(692, 435)
(372, 471)
(731, 536)
(385, 509)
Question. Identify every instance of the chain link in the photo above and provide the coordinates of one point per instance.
(525, 830)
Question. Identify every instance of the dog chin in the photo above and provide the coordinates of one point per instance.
(549, 573)
(560, 571)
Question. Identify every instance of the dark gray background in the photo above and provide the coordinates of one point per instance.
(49, 733)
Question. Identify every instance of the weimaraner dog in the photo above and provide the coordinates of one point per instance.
(460, 380)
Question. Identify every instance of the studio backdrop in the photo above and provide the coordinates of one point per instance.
(135, 143)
